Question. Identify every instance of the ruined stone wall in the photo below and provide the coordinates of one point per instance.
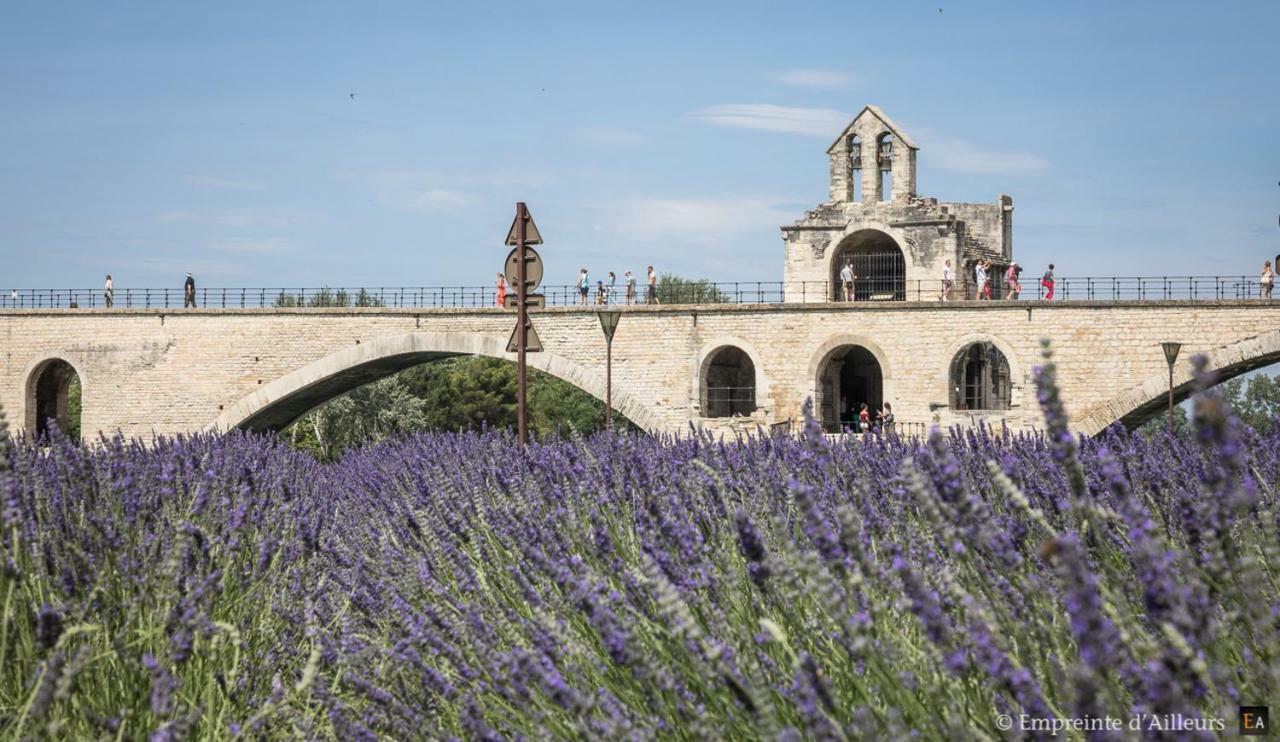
(175, 371)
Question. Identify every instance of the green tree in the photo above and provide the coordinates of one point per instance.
(327, 297)
(1256, 401)
(453, 394)
(74, 403)
(673, 289)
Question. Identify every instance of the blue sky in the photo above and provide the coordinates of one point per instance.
(145, 140)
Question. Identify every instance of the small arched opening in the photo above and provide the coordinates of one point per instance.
(980, 379)
(729, 384)
(884, 167)
(849, 377)
(855, 166)
(879, 268)
(54, 399)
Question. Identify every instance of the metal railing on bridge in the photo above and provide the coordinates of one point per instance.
(1088, 288)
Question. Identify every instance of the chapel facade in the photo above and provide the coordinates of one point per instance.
(897, 240)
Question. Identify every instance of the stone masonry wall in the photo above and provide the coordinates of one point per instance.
(173, 371)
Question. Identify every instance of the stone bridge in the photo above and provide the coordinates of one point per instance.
(718, 367)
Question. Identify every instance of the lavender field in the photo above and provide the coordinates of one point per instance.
(452, 586)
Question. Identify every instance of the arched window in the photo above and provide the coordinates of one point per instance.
(855, 166)
(980, 379)
(884, 163)
(729, 384)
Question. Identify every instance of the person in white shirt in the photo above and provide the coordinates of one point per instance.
(980, 274)
(846, 281)
(108, 292)
(631, 287)
(948, 280)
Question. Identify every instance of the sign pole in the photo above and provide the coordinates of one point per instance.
(608, 384)
(522, 317)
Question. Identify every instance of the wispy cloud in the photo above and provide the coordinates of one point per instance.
(696, 220)
(814, 122)
(607, 136)
(816, 79)
(207, 181)
(201, 268)
(948, 152)
(255, 245)
(425, 191)
(963, 156)
(229, 218)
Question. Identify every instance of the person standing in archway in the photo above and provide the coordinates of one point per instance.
(948, 280)
(864, 418)
(189, 292)
(108, 292)
(501, 297)
(1047, 281)
(1267, 281)
(846, 280)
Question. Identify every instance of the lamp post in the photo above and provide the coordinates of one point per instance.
(608, 323)
(1171, 356)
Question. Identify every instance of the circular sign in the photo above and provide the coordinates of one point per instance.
(532, 270)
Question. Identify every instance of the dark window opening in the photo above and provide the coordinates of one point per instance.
(849, 378)
(980, 379)
(730, 385)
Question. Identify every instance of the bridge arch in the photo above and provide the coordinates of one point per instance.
(714, 349)
(46, 395)
(863, 371)
(278, 403)
(1140, 403)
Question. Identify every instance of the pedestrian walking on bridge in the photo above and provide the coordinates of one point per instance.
(189, 292)
(108, 292)
(501, 298)
(1047, 282)
(1268, 279)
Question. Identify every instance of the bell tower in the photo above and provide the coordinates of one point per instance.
(872, 160)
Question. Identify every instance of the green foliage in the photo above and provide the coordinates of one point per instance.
(455, 394)
(74, 393)
(673, 289)
(1256, 401)
(327, 297)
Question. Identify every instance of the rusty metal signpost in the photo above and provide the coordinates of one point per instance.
(526, 274)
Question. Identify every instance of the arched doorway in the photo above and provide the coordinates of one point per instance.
(729, 383)
(849, 377)
(54, 396)
(878, 263)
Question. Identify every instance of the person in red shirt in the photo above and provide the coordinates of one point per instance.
(502, 291)
(864, 418)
